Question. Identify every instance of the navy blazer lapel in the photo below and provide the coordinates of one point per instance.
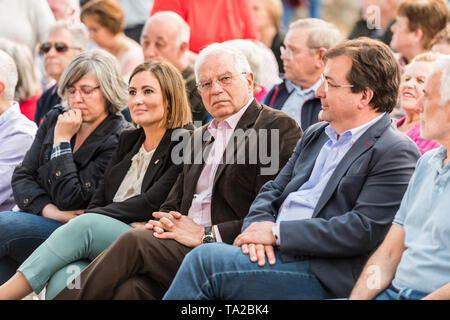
(247, 120)
(364, 143)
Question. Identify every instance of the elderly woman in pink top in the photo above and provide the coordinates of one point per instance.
(411, 89)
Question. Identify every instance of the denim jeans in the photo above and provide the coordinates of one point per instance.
(221, 271)
(403, 294)
(20, 234)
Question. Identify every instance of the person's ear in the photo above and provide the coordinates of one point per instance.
(366, 97)
(418, 35)
(2, 87)
(320, 64)
(250, 79)
(184, 47)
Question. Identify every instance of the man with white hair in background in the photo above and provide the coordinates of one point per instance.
(412, 261)
(165, 36)
(16, 131)
(305, 43)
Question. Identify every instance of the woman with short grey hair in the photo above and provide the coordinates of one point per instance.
(104, 67)
(69, 155)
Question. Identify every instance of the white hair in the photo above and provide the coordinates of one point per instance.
(170, 17)
(240, 60)
(443, 65)
(321, 34)
(8, 75)
(254, 56)
(78, 31)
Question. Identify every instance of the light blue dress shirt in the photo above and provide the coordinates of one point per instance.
(294, 104)
(300, 205)
(424, 215)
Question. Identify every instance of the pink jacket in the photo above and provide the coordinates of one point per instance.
(414, 134)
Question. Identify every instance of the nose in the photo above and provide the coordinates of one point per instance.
(135, 99)
(420, 104)
(393, 27)
(216, 87)
(410, 83)
(149, 51)
(52, 52)
(77, 96)
(320, 92)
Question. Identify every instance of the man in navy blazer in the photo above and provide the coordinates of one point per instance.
(330, 207)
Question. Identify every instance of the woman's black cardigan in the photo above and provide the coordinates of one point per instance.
(68, 181)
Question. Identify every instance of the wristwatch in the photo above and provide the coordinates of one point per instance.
(208, 236)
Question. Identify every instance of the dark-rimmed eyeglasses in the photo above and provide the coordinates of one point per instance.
(60, 47)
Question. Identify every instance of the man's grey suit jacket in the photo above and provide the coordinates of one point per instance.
(355, 210)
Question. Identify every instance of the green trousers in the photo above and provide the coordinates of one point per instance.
(62, 257)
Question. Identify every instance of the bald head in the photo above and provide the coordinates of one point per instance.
(165, 36)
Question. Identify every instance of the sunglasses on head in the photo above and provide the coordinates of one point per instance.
(59, 47)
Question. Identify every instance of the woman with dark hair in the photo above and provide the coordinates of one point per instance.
(136, 182)
(69, 154)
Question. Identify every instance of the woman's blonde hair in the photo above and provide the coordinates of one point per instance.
(178, 112)
(427, 57)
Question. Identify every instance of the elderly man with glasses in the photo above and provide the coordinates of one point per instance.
(224, 168)
(304, 46)
(330, 206)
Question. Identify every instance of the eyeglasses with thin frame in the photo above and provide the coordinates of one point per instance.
(223, 80)
(327, 84)
(60, 47)
(290, 53)
(85, 91)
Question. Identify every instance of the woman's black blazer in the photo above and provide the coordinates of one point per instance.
(68, 181)
(159, 178)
